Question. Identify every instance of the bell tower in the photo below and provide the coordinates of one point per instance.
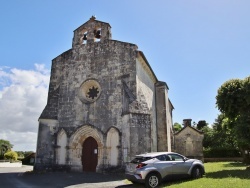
(91, 31)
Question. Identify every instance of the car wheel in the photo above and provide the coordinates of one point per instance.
(196, 172)
(152, 180)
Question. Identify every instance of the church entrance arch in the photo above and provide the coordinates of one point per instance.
(89, 155)
(84, 138)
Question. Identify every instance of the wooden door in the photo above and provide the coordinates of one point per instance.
(89, 155)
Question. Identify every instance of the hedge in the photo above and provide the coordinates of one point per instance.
(221, 152)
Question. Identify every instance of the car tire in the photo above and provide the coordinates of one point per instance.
(196, 172)
(152, 180)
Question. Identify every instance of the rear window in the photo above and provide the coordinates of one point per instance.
(140, 159)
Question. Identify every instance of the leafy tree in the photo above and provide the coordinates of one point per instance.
(233, 100)
(201, 124)
(5, 146)
(11, 155)
(229, 98)
(177, 127)
(194, 124)
(219, 140)
(223, 134)
(20, 154)
(208, 140)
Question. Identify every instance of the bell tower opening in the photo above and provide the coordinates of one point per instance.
(92, 30)
(97, 34)
(84, 39)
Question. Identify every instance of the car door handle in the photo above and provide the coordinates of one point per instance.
(174, 163)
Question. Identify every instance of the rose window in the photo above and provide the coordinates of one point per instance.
(89, 91)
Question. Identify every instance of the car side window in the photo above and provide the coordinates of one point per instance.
(167, 158)
(163, 158)
(174, 157)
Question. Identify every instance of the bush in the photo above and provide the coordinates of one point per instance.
(11, 155)
(221, 152)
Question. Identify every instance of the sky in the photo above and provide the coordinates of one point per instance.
(192, 45)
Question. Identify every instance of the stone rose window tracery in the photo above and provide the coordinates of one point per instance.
(93, 92)
(89, 91)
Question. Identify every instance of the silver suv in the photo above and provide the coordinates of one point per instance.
(152, 168)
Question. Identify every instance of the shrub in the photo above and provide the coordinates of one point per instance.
(221, 152)
(11, 155)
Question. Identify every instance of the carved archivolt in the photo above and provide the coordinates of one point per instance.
(77, 139)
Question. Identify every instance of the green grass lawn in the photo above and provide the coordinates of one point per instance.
(218, 175)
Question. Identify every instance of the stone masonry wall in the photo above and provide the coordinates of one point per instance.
(161, 108)
(97, 86)
(146, 96)
(189, 143)
(105, 62)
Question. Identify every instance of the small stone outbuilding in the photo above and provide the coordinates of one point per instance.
(105, 105)
(188, 141)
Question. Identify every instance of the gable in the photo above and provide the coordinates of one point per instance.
(189, 130)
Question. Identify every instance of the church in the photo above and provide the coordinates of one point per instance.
(105, 105)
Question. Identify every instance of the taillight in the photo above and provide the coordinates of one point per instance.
(141, 165)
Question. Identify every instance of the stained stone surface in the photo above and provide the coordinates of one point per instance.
(102, 88)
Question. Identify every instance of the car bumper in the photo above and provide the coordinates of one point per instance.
(134, 178)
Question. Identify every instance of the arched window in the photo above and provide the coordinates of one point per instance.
(112, 146)
(62, 143)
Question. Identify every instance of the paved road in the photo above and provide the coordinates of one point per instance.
(24, 177)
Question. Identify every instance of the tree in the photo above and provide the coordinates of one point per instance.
(219, 140)
(23, 154)
(201, 124)
(20, 154)
(223, 134)
(177, 127)
(233, 100)
(5, 146)
(11, 155)
(208, 140)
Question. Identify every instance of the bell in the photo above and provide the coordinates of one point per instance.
(97, 34)
(85, 37)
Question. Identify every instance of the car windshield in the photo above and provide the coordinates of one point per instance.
(140, 159)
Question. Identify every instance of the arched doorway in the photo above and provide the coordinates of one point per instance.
(89, 155)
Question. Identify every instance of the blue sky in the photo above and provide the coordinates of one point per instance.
(192, 45)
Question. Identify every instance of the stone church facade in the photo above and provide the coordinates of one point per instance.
(105, 105)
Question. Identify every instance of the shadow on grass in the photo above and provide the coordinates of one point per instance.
(242, 174)
(174, 181)
(165, 183)
(234, 164)
(231, 173)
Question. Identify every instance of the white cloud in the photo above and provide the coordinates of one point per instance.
(23, 96)
(22, 141)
